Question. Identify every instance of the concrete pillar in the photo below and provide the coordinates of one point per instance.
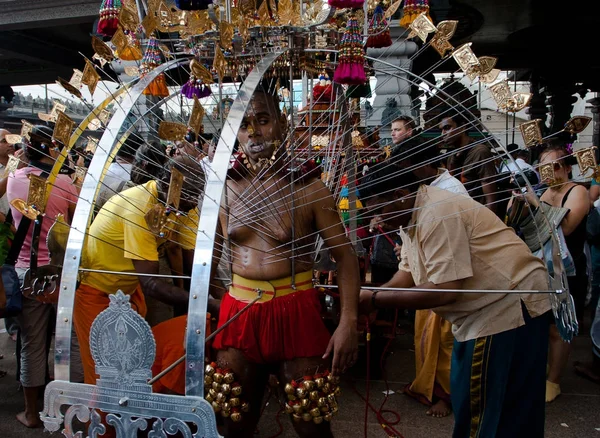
(392, 83)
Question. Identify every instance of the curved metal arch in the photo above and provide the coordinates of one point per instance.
(81, 219)
(207, 228)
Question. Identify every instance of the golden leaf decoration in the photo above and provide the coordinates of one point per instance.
(392, 9)
(220, 64)
(63, 128)
(531, 132)
(119, 40)
(201, 72)
(243, 30)
(247, 7)
(69, 87)
(197, 116)
(285, 12)
(446, 29)
(128, 19)
(577, 124)
(586, 159)
(171, 131)
(263, 14)
(421, 27)
(226, 34)
(90, 77)
(102, 49)
(149, 23)
(165, 17)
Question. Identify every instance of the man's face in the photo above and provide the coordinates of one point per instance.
(6, 148)
(400, 132)
(261, 130)
(451, 132)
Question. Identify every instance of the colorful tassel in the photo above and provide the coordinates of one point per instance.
(151, 60)
(341, 4)
(109, 17)
(412, 9)
(379, 33)
(193, 5)
(350, 69)
(195, 87)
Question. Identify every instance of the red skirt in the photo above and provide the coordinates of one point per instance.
(282, 329)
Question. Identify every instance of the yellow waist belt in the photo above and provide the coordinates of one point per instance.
(244, 289)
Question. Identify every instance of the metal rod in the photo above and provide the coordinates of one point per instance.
(292, 160)
(137, 274)
(468, 291)
(212, 335)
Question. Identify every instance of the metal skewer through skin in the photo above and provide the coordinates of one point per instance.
(466, 291)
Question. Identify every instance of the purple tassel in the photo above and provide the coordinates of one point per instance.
(195, 88)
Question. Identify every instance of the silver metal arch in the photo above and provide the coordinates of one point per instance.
(207, 227)
(81, 218)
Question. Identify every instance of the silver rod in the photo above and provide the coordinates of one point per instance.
(137, 274)
(292, 162)
(212, 335)
(468, 291)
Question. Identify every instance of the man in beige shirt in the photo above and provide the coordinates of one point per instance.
(451, 242)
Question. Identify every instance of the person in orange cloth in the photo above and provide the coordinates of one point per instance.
(120, 240)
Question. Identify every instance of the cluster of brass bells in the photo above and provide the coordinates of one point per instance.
(223, 393)
(313, 399)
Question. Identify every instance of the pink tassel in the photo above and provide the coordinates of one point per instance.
(351, 69)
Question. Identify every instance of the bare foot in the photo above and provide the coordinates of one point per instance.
(552, 391)
(587, 371)
(439, 409)
(29, 421)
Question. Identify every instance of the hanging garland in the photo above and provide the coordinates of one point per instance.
(412, 9)
(109, 17)
(351, 66)
(379, 32)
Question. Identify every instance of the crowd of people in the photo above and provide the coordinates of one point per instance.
(450, 227)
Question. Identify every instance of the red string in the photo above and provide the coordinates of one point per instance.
(387, 425)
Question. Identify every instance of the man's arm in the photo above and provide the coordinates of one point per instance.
(408, 299)
(157, 288)
(344, 342)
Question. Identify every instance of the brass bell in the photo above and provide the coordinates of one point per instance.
(318, 420)
(216, 386)
(334, 380)
(236, 390)
(297, 418)
(297, 408)
(334, 410)
(301, 393)
(208, 381)
(327, 417)
(221, 398)
(321, 402)
(218, 377)
(213, 394)
(216, 406)
(291, 397)
(229, 378)
(234, 401)
(236, 417)
(331, 399)
(225, 413)
(314, 395)
(226, 407)
(306, 416)
(309, 385)
(337, 391)
(209, 370)
(325, 408)
(288, 409)
(305, 403)
(245, 407)
(208, 398)
(320, 381)
(289, 389)
(225, 388)
(326, 388)
(315, 412)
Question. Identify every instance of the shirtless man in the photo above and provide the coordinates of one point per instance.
(282, 334)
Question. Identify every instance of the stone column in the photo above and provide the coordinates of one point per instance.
(392, 83)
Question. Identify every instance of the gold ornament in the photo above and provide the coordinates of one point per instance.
(334, 380)
(236, 417)
(305, 403)
(321, 402)
(289, 409)
(235, 402)
(328, 417)
(209, 370)
(245, 407)
(315, 412)
(309, 385)
(220, 64)
(69, 87)
(465, 58)
(307, 417)
(236, 390)
(319, 381)
(301, 393)
(208, 381)
(149, 23)
(297, 418)
(228, 378)
(289, 389)
(577, 124)
(291, 397)
(216, 406)
(101, 49)
(90, 77)
(172, 131)
(392, 9)
(209, 398)
(586, 158)
(421, 27)
(128, 18)
(220, 398)
(226, 34)
(314, 395)
(318, 419)
(327, 388)
(297, 408)
(63, 128)
(216, 386)
(225, 414)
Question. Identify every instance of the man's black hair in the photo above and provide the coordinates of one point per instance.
(458, 118)
(40, 142)
(408, 121)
